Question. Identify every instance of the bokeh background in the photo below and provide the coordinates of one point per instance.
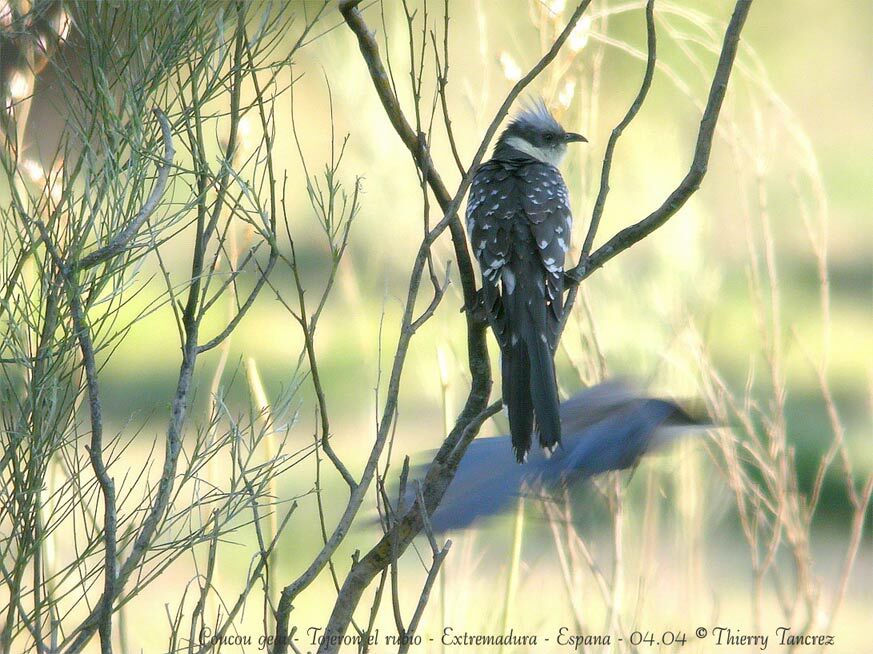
(790, 176)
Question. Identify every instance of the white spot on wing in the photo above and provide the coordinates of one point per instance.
(508, 281)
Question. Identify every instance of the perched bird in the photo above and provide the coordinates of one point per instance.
(606, 427)
(519, 222)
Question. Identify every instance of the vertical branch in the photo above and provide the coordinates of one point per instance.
(103, 613)
(95, 452)
(442, 72)
(439, 556)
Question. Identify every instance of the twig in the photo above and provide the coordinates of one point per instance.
(432, 575)
(442, 82)
(633, 110)
(121, 240)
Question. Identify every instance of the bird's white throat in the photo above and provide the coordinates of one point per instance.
(550, 155)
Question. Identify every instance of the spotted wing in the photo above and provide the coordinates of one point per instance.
(547, 207)
(491, 208)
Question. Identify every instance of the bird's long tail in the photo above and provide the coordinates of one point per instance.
(530, 390)
(544, 390)
(516, 396)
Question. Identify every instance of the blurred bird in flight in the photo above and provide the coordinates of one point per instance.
(607, 427)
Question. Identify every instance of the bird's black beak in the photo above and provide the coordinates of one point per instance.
(572, 137)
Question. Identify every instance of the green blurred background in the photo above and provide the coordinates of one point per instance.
(802, 104)
(818, 63)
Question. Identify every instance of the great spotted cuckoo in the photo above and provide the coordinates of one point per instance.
(519, 223)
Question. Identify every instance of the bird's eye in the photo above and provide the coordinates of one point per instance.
(550, 138)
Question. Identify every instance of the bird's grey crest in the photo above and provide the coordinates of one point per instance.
(534, 117)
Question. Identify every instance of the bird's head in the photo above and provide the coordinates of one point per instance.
(536, 133)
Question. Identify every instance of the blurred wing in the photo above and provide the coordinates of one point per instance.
(615, 427)
(615, 443)
(591, 405)
(487, 482)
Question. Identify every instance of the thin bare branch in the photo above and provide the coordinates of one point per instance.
(691, 182)
(633, 110)
(123, 238)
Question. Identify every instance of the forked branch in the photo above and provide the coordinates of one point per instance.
(691, 182)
